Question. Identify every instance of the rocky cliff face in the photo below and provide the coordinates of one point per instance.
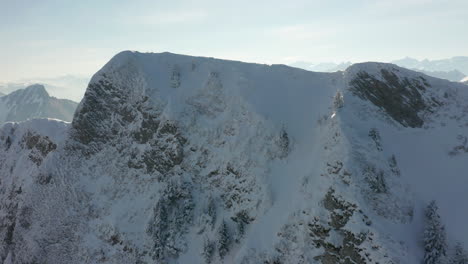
(178, 159)
(34, 102)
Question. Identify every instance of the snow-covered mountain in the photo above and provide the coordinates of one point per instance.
(179, 159)
(6, 88)
(70, 87)
(33, 102)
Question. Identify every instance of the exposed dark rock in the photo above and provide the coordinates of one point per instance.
(348, 251)
(92, 123)
(149, 126)
(401, 98)
(44, 178)
(334, 168)
(104, 117)
(40, 146)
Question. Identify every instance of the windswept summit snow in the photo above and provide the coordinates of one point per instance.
(180, 159)
(465, 80)
(34, 102)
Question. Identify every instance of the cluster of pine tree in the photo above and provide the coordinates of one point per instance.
(171, 217)
(460, 256)
(435, 241)
(338, 100)
(224, 240)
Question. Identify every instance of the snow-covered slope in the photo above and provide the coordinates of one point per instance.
(34, 102)
(179, 159)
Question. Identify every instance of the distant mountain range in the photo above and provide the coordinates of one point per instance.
(69, 86)
(453, 69)
(34, 102)
(459, 63)
(454, 75)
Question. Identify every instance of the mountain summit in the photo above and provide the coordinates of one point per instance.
(31, 93)
(180, 159)
(34, 102)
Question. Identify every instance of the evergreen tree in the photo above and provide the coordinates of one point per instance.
(175, 78)
(224, 239)
(171, 217)
(338, 100)
(284, 143)
(208, 250)
(242, 219)
(8, 143)
(435, 241)
(460, 256)
(375, 135)
(212, 211)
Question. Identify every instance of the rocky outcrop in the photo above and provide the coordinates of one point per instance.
(39, 145)
(401, 98)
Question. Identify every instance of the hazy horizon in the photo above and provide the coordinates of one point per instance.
(47, 39)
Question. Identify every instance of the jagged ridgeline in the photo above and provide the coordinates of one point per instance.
(179, 159)
(34, 102)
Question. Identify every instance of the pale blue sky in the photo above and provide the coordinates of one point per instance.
(50, 38)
